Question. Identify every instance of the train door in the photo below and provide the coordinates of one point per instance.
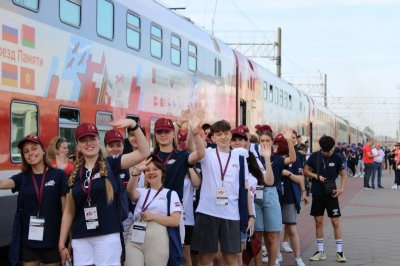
(243, 112)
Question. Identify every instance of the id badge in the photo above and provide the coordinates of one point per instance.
(36, 228)
(138, 232)
(92, 221)
(259, 192)
(222, 196)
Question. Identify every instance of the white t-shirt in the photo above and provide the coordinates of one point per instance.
(254, 151)
(212, 180)
(252, 182)
(188, 201)
(159, 204)
(380, 153)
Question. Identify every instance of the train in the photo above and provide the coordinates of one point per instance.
(64, 62)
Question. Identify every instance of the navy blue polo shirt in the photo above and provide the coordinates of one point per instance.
(55, 187)
(176, 167)
(329, 167)
(108, 215)
(292, 190)
(278, 165)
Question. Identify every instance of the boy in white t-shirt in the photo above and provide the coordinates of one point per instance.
(217, 218)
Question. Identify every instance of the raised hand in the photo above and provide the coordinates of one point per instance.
(196, 116)
(266, 149)
(287, 134)
(123, 123)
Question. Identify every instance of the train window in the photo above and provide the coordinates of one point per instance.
(68, 120)
(290, 101)
(133, 31)
(24, 121)
(175, 50)
(192, 63)
(70, 12)
(281, 97)
(156, 41)
(103, 123)
(219, 68)
(271, 93)
(265, 90)
(105, 19)
(276, 95)
(30, 4)
(286, 100)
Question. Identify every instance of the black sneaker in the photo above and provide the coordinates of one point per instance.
(380, 187)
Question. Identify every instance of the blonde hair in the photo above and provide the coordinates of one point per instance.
(103, 172)
(51, 149)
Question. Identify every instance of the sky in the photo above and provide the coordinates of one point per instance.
(356, 43)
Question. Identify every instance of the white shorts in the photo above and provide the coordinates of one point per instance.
(102, 250)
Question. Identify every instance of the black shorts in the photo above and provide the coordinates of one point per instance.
(209, 230)
(44, 255)
(188, 234)
(320, 203)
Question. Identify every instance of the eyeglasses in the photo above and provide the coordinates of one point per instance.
(59, 141)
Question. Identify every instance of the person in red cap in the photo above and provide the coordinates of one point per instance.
(41, 200)
(57, 152)
(91, 215)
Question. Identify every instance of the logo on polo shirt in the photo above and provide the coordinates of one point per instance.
(177, 204)
(235, 165)
(50, 183)
(122, 176)
(171, 161)
(97, 175)
(331, 164)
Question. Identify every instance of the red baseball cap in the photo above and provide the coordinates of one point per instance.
(112, 135)
(86, 129)
(239, 131)
(164, 124)
(264, 128)
(30, 138)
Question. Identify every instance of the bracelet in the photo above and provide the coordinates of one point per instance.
(135, 127)
(61, 250)
(252, 216)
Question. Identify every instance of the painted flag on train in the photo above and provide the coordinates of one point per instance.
(9, 34)
(28, 36)
(9, 75)
(27, 78)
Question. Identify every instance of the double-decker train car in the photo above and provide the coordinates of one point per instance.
(64, 62)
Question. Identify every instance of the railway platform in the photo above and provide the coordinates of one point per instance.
(370, 223)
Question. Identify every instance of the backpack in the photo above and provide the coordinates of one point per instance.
(175, 244)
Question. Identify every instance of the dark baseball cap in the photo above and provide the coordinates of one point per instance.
(164, 124)
(112, 135)
(239, 131)
(86, 129)
(264, 128)
(30, 138)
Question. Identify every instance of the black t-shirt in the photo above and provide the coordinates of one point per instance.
(176, 166)
(329, 167)
(55, 187)
(108, 215)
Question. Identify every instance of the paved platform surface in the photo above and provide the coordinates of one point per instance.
(370, 222)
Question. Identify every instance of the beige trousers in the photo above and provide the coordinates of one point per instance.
(154, 251)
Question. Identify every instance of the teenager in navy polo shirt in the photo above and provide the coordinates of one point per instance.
(91, 215)
(42, 191)
(329, 165)
(177, 162)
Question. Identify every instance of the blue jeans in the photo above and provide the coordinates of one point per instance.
(377, 168)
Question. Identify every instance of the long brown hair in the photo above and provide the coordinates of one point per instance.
(157, 145)
(26, 167)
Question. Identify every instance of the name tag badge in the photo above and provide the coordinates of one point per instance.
(36, 228)
(138, 232)
(91, 218)
(259, 192)
(222, 196)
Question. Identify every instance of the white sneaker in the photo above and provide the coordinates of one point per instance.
(285, 247)
(279, 258)
(299, 262)
(264, 257)
(394, 186)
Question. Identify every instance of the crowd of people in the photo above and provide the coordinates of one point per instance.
(207, 189)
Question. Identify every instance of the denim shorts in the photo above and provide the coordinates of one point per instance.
(268, 211)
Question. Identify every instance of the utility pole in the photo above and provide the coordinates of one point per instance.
(278, 52)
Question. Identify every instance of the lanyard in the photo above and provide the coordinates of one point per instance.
(223, 172)
(166, 160)
(89, 180)
(39, 192)
(144, 207)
